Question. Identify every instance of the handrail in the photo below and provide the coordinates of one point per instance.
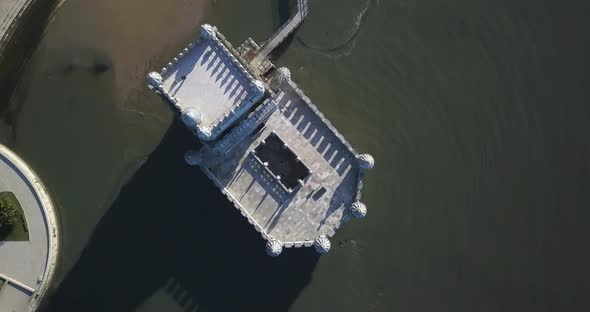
(280, 34)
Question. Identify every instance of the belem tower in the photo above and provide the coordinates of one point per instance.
(264, 143)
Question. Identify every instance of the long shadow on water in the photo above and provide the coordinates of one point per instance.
(170, 228)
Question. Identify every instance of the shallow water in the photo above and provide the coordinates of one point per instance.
(476, 113)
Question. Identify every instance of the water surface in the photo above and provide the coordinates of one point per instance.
(475, 111)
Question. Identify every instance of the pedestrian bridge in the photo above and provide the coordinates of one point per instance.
(285, 30)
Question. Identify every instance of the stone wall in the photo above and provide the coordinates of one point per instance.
(21, 29)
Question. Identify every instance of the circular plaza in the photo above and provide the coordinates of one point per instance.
(29, 248)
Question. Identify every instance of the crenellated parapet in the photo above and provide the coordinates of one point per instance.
(154, 81)
(246, 127)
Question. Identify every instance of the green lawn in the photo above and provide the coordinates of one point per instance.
(20, 231)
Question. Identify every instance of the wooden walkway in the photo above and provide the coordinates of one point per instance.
(285, 30)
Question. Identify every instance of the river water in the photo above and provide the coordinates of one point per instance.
(476, 112)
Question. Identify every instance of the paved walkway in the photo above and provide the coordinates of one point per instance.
(27, 266)
(286, 29)
(9, 11)
(14, 298)
(24, 261)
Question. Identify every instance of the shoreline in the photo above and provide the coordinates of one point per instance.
(20, 19)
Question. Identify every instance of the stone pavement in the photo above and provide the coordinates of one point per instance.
(27, 266)
(207, 75)
(308, 212)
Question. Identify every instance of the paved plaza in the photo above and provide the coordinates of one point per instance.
(14, 298)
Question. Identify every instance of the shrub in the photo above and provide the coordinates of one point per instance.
(8, 212)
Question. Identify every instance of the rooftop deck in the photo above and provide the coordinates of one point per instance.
(208, 79)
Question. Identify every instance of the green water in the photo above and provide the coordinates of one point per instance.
(476, 112)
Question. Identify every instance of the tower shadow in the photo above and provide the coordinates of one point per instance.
(171, 229)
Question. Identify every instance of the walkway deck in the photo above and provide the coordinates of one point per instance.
(285, 30)
(14, 298)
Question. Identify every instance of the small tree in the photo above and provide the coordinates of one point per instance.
(8, 212)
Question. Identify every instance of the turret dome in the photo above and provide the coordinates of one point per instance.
(191, 117)
(358, 210)
(258, 87)
(274, 248)
(154, 79)
(366, 162)
(284, 74)
(322, 245)
(207, 32)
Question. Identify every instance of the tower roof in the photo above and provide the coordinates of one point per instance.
(208, 77)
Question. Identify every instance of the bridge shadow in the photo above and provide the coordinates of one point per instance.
(285, 8)
(171, 230)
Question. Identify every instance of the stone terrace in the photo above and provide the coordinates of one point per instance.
(211, 76)
(308, 212)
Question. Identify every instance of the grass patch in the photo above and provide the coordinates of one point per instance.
(19, 231)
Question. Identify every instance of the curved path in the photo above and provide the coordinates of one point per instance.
(10, 12)
(27, 267)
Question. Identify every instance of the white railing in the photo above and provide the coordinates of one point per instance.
(285, 30)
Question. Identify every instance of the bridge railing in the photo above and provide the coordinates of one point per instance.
(280, 34)
(303, 8)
